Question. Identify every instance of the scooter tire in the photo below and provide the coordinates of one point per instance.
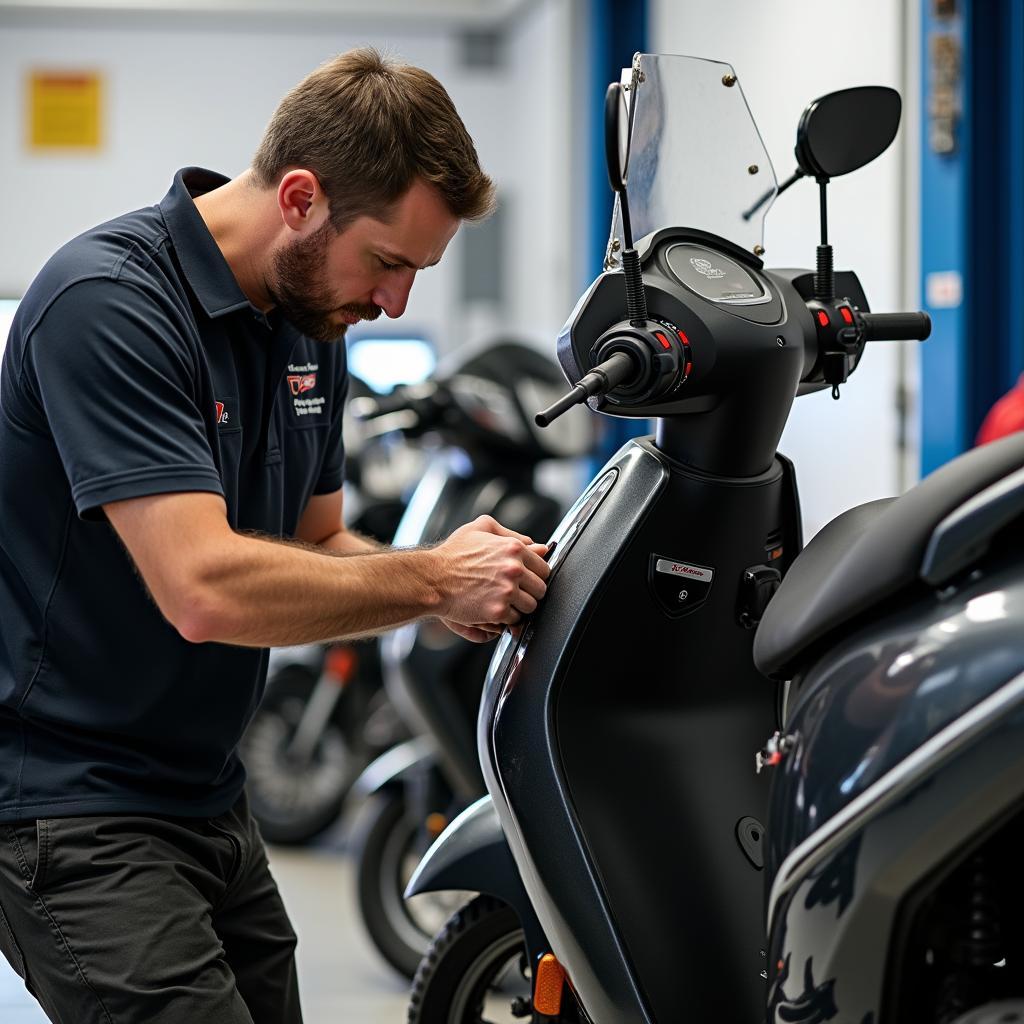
(382, 833)
(279, 822)
(452, 978)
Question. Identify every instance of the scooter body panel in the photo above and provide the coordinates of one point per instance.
(906, 747)
(614, 705)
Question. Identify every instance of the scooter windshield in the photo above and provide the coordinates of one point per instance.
(693, 155)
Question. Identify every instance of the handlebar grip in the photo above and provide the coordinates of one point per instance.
(380, 405)
(896, 326)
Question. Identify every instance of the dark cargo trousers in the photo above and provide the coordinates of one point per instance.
(125, 920)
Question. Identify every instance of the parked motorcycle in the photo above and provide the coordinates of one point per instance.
(634, 866)
(484, 459)
(324, 715)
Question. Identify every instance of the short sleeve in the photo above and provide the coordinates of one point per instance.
(115, 379)
(332, 470)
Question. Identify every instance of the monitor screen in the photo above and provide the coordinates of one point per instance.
(384, 363)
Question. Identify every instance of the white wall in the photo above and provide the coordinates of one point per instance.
(785, 54)
(184, 89)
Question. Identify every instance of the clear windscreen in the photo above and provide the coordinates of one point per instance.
(694, 158)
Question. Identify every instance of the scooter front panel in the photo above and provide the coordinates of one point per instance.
(524, 762)
(619, 744)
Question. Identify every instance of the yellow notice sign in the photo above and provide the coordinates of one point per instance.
(64, 109)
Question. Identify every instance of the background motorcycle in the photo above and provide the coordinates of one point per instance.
(484, 459)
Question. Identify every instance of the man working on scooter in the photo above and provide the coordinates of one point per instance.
(170, 478)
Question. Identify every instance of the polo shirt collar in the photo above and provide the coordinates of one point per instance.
(201, 260)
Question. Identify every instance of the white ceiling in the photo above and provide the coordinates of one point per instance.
(479, 13)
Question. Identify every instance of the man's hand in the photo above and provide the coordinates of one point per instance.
(491, 578)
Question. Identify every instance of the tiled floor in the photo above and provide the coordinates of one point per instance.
(340, 975)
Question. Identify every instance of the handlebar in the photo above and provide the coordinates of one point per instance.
(600, 380)
(381, 405)
(896, 326)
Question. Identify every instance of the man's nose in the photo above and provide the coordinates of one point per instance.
(393, 295)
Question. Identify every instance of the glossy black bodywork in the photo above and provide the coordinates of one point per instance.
(608, 710)
(907, 747)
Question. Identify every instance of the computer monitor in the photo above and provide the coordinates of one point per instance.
(384, 363)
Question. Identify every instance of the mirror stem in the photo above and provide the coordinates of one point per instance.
(822, 193)
(824, 279)
(773, 193)
(636, 298)
(627, 226)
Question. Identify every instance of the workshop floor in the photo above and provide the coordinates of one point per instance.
(341, 977)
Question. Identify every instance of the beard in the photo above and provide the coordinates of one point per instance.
(302, 294)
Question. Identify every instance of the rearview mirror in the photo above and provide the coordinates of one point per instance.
(616, 136)
(846, 129)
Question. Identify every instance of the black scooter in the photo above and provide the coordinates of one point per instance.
(635, 867)
(485, 451)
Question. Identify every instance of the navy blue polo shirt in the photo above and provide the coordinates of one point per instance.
(136, 366)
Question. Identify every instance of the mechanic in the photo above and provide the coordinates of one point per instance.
(170, 477)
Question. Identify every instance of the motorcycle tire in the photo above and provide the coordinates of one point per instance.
(385, 853)
(293, 804)
(476, 971)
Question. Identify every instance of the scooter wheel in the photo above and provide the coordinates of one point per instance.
(387, 850)
(294, 803)
(477, 970)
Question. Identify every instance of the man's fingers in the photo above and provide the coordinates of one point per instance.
(491, 525)
(533, 586)
(511, 616)
(525, 602)
(535, 563)
(478, 634)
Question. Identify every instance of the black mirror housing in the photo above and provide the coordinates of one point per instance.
(845, 130)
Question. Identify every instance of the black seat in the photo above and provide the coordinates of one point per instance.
(869, 554)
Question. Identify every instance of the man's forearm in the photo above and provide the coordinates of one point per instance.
(264, 593)
(350, 542)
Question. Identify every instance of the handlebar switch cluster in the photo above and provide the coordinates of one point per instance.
(843, 330)
(840, 339)
(661, 355)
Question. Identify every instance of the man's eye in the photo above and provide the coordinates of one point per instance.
(384, 263)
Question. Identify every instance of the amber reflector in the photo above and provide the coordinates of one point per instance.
(547, 992)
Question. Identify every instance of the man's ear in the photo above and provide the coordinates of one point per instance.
(301, 201)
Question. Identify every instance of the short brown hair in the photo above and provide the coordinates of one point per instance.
(367, 127)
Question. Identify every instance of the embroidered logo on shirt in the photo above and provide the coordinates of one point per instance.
(301, 379)
(301, 382)
(222, 415)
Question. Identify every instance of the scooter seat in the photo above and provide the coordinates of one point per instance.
(867, 555)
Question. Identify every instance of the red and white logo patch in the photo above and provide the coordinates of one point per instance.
(222, 416)
(300, 382)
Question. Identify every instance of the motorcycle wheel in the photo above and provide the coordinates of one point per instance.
(294, 802)
(477, 972)
(388, 847)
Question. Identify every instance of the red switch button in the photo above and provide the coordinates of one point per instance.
(846, 314)
(823, 318)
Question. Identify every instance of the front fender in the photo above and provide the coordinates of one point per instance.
(394, 765)
(472, 854)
